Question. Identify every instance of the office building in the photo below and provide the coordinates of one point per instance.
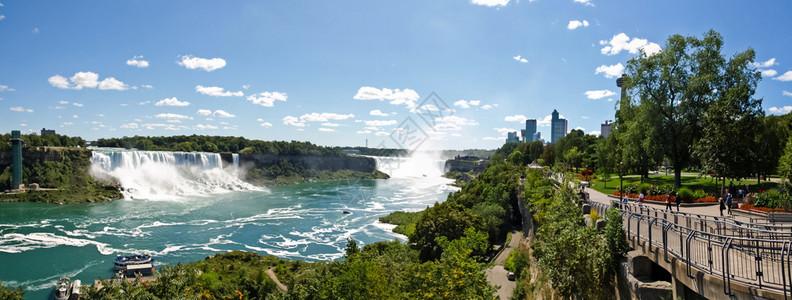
(558, 127)
(45, 131)
(605, 128)
(512, 137)
(530, 130)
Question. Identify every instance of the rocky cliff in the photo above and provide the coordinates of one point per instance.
(323, 163)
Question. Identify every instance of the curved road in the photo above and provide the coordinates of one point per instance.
(497, 275)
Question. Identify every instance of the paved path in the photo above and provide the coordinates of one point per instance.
(497, 275)
(274, 277)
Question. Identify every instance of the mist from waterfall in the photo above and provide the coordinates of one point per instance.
(419, 164)
(167, 175)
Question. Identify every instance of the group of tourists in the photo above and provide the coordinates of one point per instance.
(728, 200)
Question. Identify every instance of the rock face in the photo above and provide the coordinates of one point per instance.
(464, 165)
(330, 163)
(33, 155)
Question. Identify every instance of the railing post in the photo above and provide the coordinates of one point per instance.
(725, 267)
(690, 236)
(785, 248)
(758, 259)
(665, 239)
(654, 220)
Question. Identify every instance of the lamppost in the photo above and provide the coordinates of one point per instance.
(621, 181)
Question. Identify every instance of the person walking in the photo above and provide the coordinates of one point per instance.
(678, 201)
(668, 200)
(728, 203)
(641, 199)
(722, 203)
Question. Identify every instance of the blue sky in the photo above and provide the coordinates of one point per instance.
(341, 72)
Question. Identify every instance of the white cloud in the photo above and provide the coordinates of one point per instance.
(35, 30)
(585, 2)
(324, 117)
(203, 112)
(785, 93)
(611, 71)
(486, 106)
(584, 117)
(396, 96)
(786, 77)
(326, 129)
(546, 121)
(378, 113)
(267, 99)
(328, 124)
(293, 121)
(171, 102)
(769, 73)
(111, 83)
(216, 91)
(246, 86)
(171, 116)
(504, 131)
(77, 104)
(137, 61)
(765, 64)
(595, 133)
(2, 17)
(381, 133)
(780, 110)
(599, 94)
(59, 82)
(574, 24)
(520, 59)
(75, 116)
(515, 118)
(430, 107)
(63, 102)
(490, 3)
(456, 120)
(266, 125)
(205, 127)
(579, 128)
(191, 62)
(148, 86)
(5, 88)
(20, 109)
(380, 122)
(82, 80)
(621, 42)
(462, 104)
(489, 138)
(130, 125)
(363, 131)
(223, 114)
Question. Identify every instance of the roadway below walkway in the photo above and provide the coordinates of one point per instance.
(497, 275)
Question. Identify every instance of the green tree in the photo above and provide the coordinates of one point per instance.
(351, 248)
(446, 220)
(732, 123)
(785, 165)
(676, 86)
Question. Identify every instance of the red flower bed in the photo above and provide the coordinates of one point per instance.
(662, 198)
(749, 206)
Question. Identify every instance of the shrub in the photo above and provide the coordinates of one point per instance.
(685, 194)
(644, 188)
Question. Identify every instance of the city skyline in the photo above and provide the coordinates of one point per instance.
(341, 73)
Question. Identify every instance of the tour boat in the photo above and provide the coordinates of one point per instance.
(121, 262)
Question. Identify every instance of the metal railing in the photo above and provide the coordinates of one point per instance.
(734, 251)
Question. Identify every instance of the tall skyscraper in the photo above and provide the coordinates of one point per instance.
(512, 137)
(605, 128)
(530, 130)
(558, 127)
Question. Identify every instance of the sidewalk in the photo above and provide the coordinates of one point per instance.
(710, 210)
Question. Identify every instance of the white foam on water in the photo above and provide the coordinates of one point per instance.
(18, 243)
(48, 282)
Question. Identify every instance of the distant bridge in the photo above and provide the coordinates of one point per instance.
(714, 257)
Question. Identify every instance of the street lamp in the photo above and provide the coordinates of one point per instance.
(621, 181)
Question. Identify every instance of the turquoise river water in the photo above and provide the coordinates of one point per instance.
(40, 243)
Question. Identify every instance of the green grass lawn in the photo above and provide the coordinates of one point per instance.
(694, 183)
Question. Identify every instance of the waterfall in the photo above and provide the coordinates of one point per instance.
(235, 158)
(417, 165)
(166, 175)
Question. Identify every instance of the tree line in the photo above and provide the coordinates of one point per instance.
(215, 144)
